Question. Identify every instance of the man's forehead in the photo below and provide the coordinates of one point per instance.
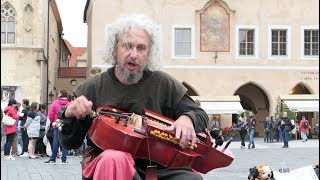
(136, 32)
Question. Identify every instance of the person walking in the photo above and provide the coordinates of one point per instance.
(252, 122)
(304, 128)
(53, 114)
(10, 131)
(242, 126)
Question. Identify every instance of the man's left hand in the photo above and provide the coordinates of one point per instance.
(184, 130)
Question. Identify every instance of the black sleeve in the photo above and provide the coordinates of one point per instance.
(188, 107)
(74, 132)
(25, 113)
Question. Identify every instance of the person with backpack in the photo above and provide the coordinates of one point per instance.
(303, 128)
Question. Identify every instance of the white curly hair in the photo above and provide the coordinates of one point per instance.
(124, 24)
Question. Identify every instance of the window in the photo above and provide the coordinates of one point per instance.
(246, 39)
(183, 41)
(309, 42)
(246, 42)
(279, 42)
(8, 24)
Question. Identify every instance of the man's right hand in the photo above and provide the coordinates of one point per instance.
(79, 108)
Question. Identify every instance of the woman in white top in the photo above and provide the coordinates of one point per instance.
(33, 129)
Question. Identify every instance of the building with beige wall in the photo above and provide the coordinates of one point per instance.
(32, 49)
(257, 50)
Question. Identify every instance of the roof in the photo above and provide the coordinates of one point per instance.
(75, 52)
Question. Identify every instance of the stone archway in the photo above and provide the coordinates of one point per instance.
(255, 99)
(300, 89)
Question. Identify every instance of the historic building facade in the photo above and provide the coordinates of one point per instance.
(32, 49)
(258, 50)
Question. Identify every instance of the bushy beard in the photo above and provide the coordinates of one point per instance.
(130, 78)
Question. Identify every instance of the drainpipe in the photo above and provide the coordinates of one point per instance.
(48, 36)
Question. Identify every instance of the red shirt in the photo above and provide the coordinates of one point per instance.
(301, 128)
(12, 112)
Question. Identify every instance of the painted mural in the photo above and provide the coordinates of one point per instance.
(214, 29)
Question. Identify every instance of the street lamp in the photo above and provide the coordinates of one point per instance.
(41, 56)
(51, 96)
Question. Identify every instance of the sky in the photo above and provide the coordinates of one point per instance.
(74, 29)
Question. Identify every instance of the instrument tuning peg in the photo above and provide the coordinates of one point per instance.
(93, 114)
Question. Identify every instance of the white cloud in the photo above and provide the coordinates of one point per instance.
(74, 29)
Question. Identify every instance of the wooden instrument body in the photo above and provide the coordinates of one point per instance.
(107, 134)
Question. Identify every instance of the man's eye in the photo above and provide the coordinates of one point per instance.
(141, 48)
(128, 45)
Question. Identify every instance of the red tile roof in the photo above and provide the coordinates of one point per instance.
(67, 72)
(75, 52)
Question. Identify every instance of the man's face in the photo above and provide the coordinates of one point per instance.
(250, 114)
(132, 52)
(284, 114)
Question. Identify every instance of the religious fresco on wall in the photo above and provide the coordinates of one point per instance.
(215, 29)
(8, 92)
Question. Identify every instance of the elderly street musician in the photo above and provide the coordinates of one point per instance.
(133, 86)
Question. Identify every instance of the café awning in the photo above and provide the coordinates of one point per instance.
(220, 104)
(301, 102)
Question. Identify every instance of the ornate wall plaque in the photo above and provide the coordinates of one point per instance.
(214, 28)
(28, 17)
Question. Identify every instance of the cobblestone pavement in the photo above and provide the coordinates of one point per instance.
(298, 154)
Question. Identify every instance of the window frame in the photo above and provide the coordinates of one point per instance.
(6, 22)
(288, 42)
(192, 38)
(255, 28)
(302, 55)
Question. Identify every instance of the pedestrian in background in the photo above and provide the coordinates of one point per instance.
(286, 127)
(14, 148)
(252, 122)
(3, 135)
(275, 129)
(23, 119)
(267, 128)
(53, 114)
(33, 128)
(280, 130)
(242, 126)
(40, 146)
(304, 128)
(10, 131)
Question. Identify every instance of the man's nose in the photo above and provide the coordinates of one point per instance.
(134, 53)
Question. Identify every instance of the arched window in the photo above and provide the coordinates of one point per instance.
(8, 24)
